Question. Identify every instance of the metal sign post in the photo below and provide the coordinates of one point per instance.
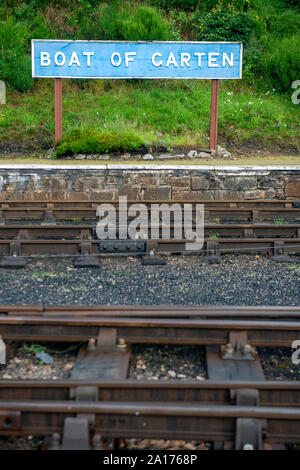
(58, 108)
(60, 59)
(213, 136)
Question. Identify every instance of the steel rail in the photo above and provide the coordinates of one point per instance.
(92, 203)
(73, 247)
(155, 420)
(271, 393)
(88, 231)
(161, 311)
(149, 330)
(240, 209)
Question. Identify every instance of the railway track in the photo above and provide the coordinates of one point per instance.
(234, 408)
(264, 226)
(252, 210)
(18, 242)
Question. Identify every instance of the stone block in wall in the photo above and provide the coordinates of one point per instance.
(78, 196)
(293, 189)
(59, 195)
(227, 195)
(102, 195)
(86, 183)
(132, 192)
(113, 181)
(44, 182)
(145, 180)
(260, 194)
(178, 189)
(180, 182)
(156, 193)
(15, 182)
(271, 183)
(37, 195)
(199, 182)
(193, 195)
(59, 183)
(239, 183)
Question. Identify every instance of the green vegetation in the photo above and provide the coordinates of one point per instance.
(254, 113)
(89, 141)
(162, 114)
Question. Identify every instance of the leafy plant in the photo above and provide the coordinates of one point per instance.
(123, 22)
(15, 64)
(86, 141)
(280, 65)
(226, 23)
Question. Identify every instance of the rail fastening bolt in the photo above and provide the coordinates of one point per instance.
(91, 344)
(247, 349)
(248, 447)
(121, 343)
(229, 348)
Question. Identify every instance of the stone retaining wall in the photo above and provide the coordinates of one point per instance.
(147, 183)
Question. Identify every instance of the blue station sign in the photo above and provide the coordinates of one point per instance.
(118, 59)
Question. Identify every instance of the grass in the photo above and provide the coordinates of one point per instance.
(171, 113)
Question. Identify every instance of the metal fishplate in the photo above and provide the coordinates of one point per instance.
(121, 246)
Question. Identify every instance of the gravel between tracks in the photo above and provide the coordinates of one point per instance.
(238, 280)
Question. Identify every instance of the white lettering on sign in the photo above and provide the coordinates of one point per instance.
(226, 59)
(74, 60)
(112, 59)
(171, 60)
(212, 60)
(60, 62)
(88, 57)
(45, 59)
(185, 58)
(156, 64)
(128, 57)
(199, 55)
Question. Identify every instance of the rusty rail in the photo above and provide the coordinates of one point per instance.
(82, 326)
(239, 209)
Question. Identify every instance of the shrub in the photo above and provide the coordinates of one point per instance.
(117, 21)
(87, 141)
(280, 65)
(272, 17)
(226, 23)
(145, 24)
(180, 4)
(15, 63)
